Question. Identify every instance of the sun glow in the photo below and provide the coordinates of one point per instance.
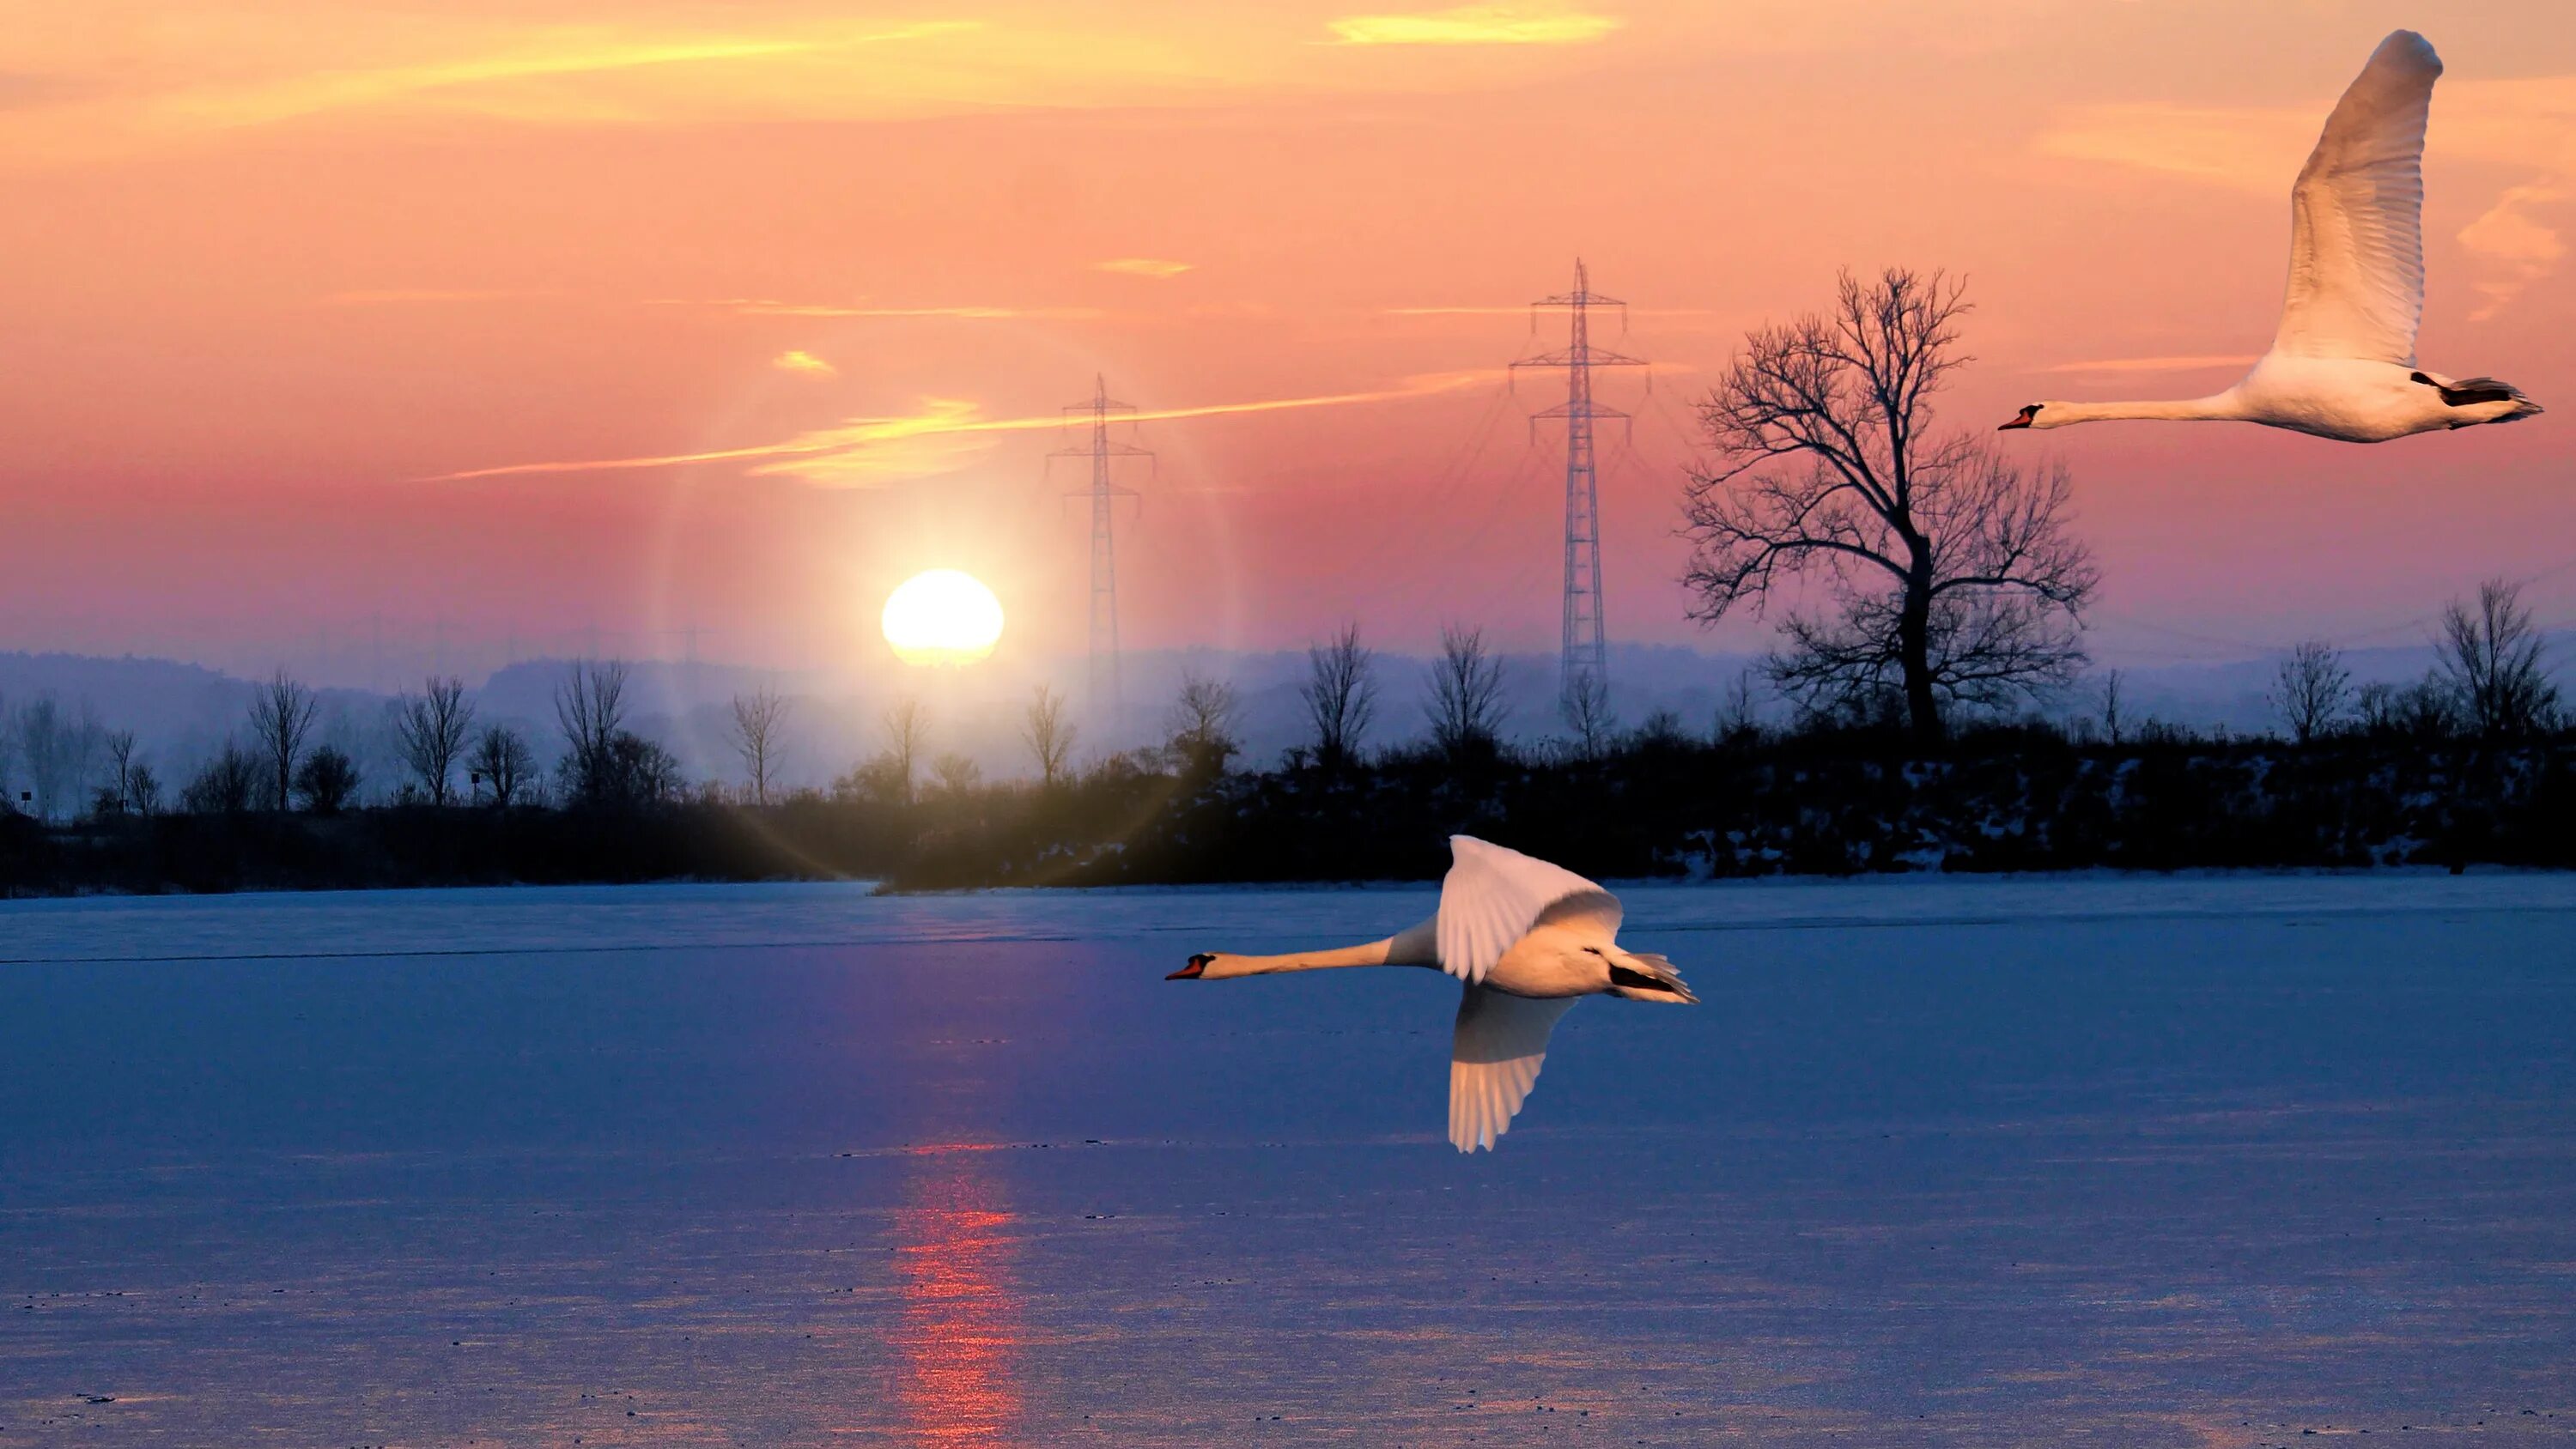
(942, 617)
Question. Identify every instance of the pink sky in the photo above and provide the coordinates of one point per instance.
(278, 274)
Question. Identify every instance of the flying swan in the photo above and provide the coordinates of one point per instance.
(1527, 938)
(2343, 363)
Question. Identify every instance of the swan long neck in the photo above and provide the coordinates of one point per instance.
(1415, 947)
(2217, 407)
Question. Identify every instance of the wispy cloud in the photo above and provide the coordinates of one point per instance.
(2246, 148)
(1475, 25)
(549, 58)
(2516, 247)
(770, 307)
(178, 74)
(1141, 267)
(2201, 363)
(409, 296)
(941, 437)
(801, 361)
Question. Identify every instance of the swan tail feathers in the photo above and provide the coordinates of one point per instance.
(1657, 980)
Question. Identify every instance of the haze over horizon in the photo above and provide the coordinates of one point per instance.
(653, 324)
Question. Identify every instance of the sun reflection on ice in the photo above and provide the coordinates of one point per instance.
(961, 1318)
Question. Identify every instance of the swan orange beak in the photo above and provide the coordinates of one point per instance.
(1198, 967)
(2020, 419)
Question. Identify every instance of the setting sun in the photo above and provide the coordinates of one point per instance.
(942, 617)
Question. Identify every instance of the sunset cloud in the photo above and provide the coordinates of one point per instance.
(1141, 267)
(1475, 25)
(769, 307)
(174, 75)
(409, 296)
(2516, 247)
(304, 95)
(941, 437)
(801, 361)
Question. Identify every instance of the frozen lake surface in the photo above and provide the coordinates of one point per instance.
(2134, 1162)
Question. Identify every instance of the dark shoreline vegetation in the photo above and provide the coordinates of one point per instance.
(1826, 800)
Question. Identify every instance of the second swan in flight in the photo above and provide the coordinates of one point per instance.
(2343, 364)
(1528, 939)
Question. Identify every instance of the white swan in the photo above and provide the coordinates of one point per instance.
(2343, 364)
(1527, 938)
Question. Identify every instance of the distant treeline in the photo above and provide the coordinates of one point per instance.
(1832, 800)
(2474, 763)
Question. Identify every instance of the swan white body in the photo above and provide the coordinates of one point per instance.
(2343, 363)
(1527, 939)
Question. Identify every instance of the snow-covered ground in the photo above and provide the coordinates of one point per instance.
(2134, 1161)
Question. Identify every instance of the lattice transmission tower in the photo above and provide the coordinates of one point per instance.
(1585, 649)
(1107, 707)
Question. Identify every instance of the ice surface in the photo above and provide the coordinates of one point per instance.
(2177, 1160)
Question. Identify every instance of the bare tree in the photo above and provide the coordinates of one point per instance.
(39, 731)
(327, 779)
(502, 764)
(143, 791)
(1049, 735)
(2312, 690)
(758, 720)
(905, 728)
(1661, 729)
(2491, 664)
(1466, 699)
(1737, 720)
(1341, 696)
(956, 773)
(121, 766)
(1201, 722)
(590, 711)
(431, 727)
(2112, 719)
(281, 715)
(1587, 712)
(1952, 571)
(228, 784)
(2423, 711)
(59, 752)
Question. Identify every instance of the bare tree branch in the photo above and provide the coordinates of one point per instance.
(1952, 574)
(1049, 734)
(1341, 696)
(281, 715)
(430, 727)
(758, 721)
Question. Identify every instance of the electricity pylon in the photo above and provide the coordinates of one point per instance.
(1585, 649)
(1106, 706)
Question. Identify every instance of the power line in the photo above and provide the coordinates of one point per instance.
(1107, 706)
(1584, 650)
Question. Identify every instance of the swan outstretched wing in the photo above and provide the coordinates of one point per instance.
(1501, 1041)
(2357, 215)
(1492, 896)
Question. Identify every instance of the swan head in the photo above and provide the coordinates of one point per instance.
(1196, 969)
(2032, 415)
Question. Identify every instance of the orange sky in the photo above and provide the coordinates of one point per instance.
(297, 293)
